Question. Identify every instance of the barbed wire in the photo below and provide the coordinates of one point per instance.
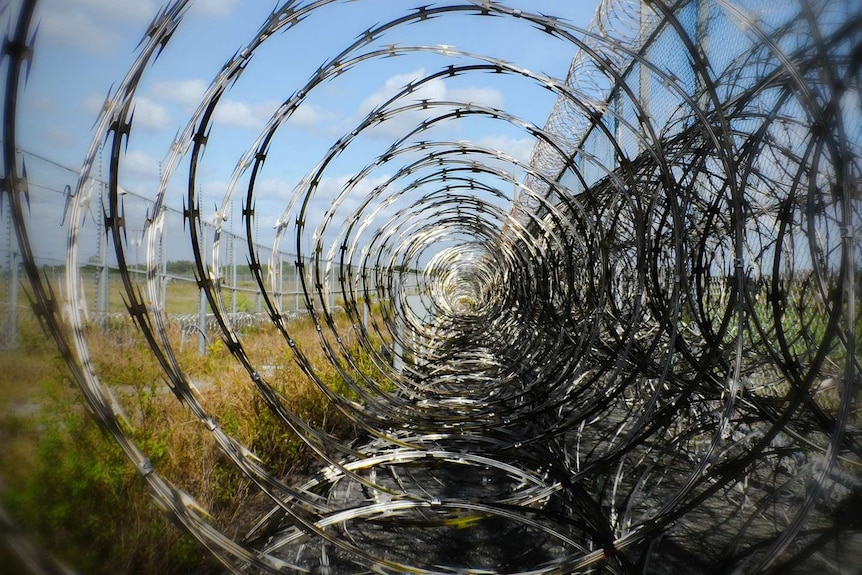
(648, 360)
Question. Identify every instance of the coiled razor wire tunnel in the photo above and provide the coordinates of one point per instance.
(646, 361)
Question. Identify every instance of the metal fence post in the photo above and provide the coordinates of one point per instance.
(163, 262)
(233, 287)
(296, 285)
(280, 283)
(12, 334)
(102, 274)
(10, 327)
(397, 348)
(202, 303)
(644, 72)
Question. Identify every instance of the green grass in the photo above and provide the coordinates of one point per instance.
(71, 487)
(182, 294)
(804, 320)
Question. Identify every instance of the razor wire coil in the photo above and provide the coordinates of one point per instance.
(627, 363)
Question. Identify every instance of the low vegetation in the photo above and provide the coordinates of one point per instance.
(68, 484)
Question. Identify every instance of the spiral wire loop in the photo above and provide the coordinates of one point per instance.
(648, 359)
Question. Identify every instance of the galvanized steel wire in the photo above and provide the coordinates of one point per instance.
(649, 359)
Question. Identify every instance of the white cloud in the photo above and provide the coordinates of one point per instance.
(482, 96)
(212, 7)
(93, 104)
(435, 89)
(274, 188)
(140, 166)
(519, 148)
(187, 93)
(96, 26)
(255, 115)
(239, 114)
(150, 115)
(403, 122)
(309, 116)
(327, 190)
(244, 115)
(78, 30)
(118, 10)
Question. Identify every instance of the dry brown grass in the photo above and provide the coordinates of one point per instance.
(71, 486)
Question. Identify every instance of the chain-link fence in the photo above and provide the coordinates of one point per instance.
(178, 295)
(649, 364)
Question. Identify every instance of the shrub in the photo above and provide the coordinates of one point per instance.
(85, 503)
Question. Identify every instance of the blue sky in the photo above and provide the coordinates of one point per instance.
(86, 46)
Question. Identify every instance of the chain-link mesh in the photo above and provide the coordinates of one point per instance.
(648, 362)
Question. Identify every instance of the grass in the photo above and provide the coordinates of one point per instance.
(803, 319)
(182, 293)
(69, 485)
